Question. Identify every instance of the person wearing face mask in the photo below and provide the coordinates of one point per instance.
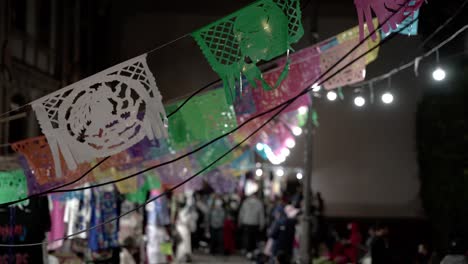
(216, 220)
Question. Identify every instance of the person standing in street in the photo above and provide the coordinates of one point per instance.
(251, 220)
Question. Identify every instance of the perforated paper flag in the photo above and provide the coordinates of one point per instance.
(411, 30)
(234, 44)
(38, 164)
(13, 186)
(103, 114)
(203, 118)
(394, 10)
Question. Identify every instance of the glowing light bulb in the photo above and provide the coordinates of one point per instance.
(299, 176)
(259, 146)
(290, 143)
(387, 98)
(297, 131)
(285, 152)
(359, 101)
(259, 172)
(316, 87)
(438, 74)
(302, 110)
(280, 172)
(331, 95)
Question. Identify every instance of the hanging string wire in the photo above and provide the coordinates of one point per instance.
(225, 134)
(284, 106)
(446, 23)
(412, 62)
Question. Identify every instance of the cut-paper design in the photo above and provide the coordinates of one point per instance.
(234, 44)
(203, 118)
(396, 10)
(103, 114)
(410, 30)
(352, 34)
(13, 186)
(304, 69)
(38, 164)
(351, 74)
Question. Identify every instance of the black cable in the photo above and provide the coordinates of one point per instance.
(191, 96)
(459, 10)
(219, 137)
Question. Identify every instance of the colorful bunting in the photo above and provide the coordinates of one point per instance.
(38, 165)
(201, 119)
(234, 44)
(13, 186)
(384, 9)
(342, 44)
(103, 114)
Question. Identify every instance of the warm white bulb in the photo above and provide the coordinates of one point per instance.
(259, 146)
(316, 87)
(302, 110)
(438, 74)
(331, 95)
(281, 159)
(259, 172)
(297, 131)
(285, 152)
(387, 98)
(280, 172)
(299, 176)
(359, 101)
(290, 143)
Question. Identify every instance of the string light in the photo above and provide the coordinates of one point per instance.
(303, 110)
(259, 172)
(297, 131)
(280, 172)
(316, 87)
(438, 74)
(290, 143)
(387, 98)
(299, 176)
(259, 146)
(332, 95)
(285, 152)
(359, 101)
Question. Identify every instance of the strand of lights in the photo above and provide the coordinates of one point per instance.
(415, 61)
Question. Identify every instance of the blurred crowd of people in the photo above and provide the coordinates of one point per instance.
(264, 230)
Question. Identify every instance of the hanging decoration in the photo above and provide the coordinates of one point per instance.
(206, 156)
(234, 44)
(411, 30)
(335, 48)
(242, 164)
(304, 68)
(38, 165)
(103, 114)
(394, 10)
(203, 118)
(13, 186)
